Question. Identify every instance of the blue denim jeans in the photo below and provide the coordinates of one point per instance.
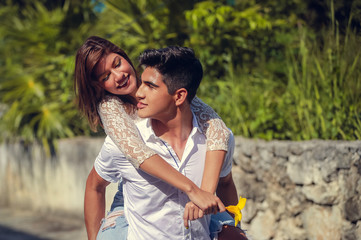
(218, 221)
(114, 225)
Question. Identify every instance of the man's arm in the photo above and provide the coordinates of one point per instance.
(94, 203)
(226, 190)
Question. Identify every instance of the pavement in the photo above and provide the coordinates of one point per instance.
(27, 225)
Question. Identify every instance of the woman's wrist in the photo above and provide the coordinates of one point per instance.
(190, 188)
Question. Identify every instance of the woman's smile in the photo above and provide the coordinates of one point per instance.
(116, 75)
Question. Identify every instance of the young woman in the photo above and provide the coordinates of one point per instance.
(107, 98)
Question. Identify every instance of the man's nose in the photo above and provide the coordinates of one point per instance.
(139, 94)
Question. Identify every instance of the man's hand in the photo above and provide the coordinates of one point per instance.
(191, 212)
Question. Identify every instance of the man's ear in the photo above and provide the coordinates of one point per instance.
(180, 96)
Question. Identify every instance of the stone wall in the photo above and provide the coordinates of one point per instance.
(295, 190)
(300, 190)
(30, 179)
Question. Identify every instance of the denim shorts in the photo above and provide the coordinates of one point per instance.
(218, 221)
(114, 226)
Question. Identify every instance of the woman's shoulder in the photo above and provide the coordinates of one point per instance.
(110, 103)
(111, 99)
(115, 105)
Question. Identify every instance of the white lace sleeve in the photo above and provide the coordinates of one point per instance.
(120, 127)
(212, 125)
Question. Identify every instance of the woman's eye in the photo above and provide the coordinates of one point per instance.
(106, 78)
(118, 63)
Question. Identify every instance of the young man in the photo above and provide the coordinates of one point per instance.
(154, 209)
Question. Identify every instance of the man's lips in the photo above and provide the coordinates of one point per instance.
(141, 105)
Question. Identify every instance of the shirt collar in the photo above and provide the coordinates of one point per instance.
(145, 127)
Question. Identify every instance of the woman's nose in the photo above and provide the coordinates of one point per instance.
(117, 74)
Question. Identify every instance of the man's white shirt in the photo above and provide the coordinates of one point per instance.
(153, 208)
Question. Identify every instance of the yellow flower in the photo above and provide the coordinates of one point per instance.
(236, 210)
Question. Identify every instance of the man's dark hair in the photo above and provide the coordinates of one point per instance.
(178, 65)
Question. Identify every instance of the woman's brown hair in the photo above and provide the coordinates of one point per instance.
(88, 90)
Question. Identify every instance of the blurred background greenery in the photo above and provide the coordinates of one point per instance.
(273, 69)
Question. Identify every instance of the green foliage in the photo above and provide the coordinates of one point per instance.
(324, 87)
(319, 99)
(136, 25)
(37, 70)
(224, 35)
(273, 69)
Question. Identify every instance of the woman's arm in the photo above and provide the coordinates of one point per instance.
(120, 127)
(217, 135)
(213, 127)
(211, 173)
(205, 200)
(212, 170)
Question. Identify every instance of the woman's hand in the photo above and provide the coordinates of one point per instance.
(207, 202)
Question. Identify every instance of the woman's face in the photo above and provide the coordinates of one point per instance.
(116, 75)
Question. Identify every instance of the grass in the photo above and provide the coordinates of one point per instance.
(319, 97)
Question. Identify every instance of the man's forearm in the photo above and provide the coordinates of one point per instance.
(227, 191)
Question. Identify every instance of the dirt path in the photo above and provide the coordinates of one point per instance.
(23, 225)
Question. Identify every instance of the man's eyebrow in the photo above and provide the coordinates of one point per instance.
(150, 83)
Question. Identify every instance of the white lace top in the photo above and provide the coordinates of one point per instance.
(120, 127)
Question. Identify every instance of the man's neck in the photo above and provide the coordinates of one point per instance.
(175, 131)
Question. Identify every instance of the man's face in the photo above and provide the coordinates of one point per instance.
(154, 101)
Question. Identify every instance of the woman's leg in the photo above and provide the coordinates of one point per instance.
(231, 233)
(114, 225)
(222, 228)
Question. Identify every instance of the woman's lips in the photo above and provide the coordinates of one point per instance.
(124, 83)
